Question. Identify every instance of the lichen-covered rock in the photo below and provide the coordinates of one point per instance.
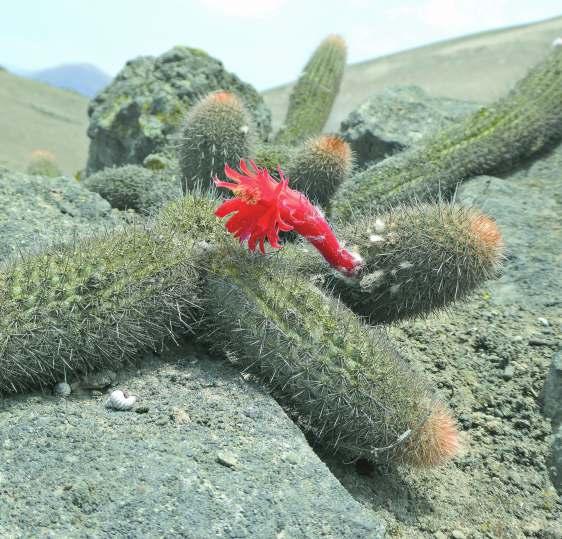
(396, 118)
(36, 210)
(134, 187)
(140, 111)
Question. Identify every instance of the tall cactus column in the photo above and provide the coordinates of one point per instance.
(313, 96)
(341, 380)
(526, 121)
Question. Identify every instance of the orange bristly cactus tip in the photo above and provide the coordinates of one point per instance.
(263, 207)
(436, 442)
(42, 154)
(333, 145)
(486, 232)
(335, 39)
(222, 96)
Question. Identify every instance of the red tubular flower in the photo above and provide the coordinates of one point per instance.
(263, 207)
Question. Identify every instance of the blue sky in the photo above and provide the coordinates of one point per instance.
(265, 42)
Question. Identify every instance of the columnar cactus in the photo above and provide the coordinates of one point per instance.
(216, 131)
(319, 166)
(416, 259)
(343, 381)
(134, 187)
(219, 130)
(43, 163)
(95, 303)
(495, 137)
(313, 96)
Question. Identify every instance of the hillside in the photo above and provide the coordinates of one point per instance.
(86, 79)
(34, 115)
(456, 68)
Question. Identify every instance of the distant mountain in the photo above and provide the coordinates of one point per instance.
(86, 79)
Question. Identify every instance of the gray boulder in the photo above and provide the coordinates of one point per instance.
(395, 119)
(35, 210)
(204, 453)
(139, 112)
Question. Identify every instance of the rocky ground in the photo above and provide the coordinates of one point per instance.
(206, 452)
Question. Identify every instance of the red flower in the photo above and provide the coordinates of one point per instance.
(263, 207)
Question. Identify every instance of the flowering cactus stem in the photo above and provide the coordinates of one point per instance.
(417, 259)
(263, 207)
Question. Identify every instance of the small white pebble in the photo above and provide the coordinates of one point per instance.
(379, 225)
(62, 389)
(244, 129)
(374, 238)
(557, 42)
(119, 400)
(543, 321)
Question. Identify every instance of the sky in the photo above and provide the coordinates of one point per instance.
(265, 42)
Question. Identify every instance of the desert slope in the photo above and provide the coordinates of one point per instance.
(34, 115)
(479, 67)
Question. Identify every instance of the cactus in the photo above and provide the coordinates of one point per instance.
(43, 163)
(343, 381)
(271, 156)
(134, 187)
(495, 137)
(313, 96)
(417, 259)
(97, 302)
(217, 130)
(319, 166)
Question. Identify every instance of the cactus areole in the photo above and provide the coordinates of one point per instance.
(263, 207)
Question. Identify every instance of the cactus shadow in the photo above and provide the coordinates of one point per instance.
(380, 487)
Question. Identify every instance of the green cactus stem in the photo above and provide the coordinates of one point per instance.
(494, 138)
(97, 302)
(313, 96)
(134, 187)
(417, 259)
(319, 166)
(343, 381)
(216, 131)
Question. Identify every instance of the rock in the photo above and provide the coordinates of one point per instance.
(36, 210)
(139, 112)
(395, 119)
(555, 464)
(553, 390)
(62, 389)
(528, 274)
(122, 472)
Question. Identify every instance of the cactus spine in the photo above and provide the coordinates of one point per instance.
(417, 259)
(342, 380)
(217, 130)
(313, 96)
(496, 137)
(98, 302)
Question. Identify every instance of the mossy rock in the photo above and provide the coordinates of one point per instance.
(139, 113)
